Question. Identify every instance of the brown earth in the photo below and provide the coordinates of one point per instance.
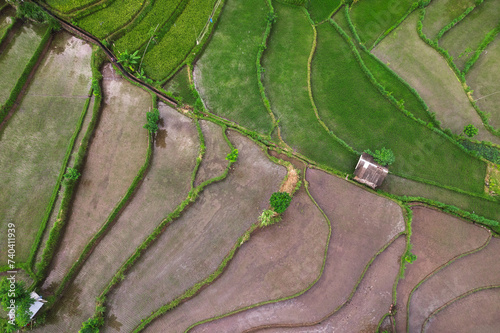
(194, 245)
(436, 238)
(277, 261)
(117, 151)
(165, 186)
(214, 162)
(371, 301)
(362, 224)
(478, 313)
(473, 271)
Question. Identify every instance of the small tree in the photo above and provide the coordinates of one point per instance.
(15, 297)
(232, 156)
(383, 156)
(470, 130)
(128, 59)
(280, 201)
(71, 176)
(268, 217)
(152, 120)
(92, 325)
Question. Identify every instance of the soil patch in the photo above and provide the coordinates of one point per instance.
(278, 261)
(116, 153)
(214, 161)
(436, 238)
(371, 301)
(473, 271)
(362, 224)
(475, 313)
(194, 245)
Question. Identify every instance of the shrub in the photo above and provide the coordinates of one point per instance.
(70, 176)
(232, 156)
(410, 257)
(470, 130)
(152, 120)
(268, 217)
(13, 291)
(280, 201)
(91, 325)
(383, 156)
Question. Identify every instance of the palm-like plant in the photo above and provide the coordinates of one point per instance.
(128, 59)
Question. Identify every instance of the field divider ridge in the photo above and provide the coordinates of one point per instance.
(55, 192)
(490, 37)
(456, 21)
(67, 197)
(146, 8)
(442, 307)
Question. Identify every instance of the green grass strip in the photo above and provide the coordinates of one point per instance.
(309, 89)
(200, 154)
(7, 29)
(50, 207)
(490, 37)
(62, 216)
(453, 23)
(442, 307)
(428, 276)
(14, 93)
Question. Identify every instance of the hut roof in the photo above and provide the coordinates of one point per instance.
(369, 172)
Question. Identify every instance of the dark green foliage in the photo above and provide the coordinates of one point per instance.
(152, 120)
(95, 87)
(280, 201)
(31, 11)
(92, 325)
(232, 156)
(470, 130)
(383, 156)
(71, 176)
(489, 152)
(410, 257)
(14, 294)
(128, 60)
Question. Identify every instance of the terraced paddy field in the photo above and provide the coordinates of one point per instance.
(476, 312)
(230, 89)
(192, 247)
(439, 13)
(353, 246)
(276, 262)
(470, 32)
(476, 270)
(431, 76)
(106, 175)
(321, 9)
(436, 239)
(484, 78)
(35, 139)
(16, 56)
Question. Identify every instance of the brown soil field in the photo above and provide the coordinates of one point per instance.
(484, 78)
(362, 224)
(476, 270)
(165, 186)
(116, 153)
(34, 141)
(194, 245)
(478, 313)
(276, 262)
(371, 301)
(214, 162)
(428, 72)
(436, 238)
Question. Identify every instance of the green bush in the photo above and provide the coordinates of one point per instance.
(92, 325)
(383, 156)
(280, 201)
(470, 130)
(268, 217)
(71, 176)
(14, 296)
(232, 156)
(152, 120)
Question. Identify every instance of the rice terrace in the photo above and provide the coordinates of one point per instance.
(236, 166)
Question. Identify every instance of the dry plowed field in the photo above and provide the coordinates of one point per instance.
(372, 300)
(362, 224)
(193, 246)
(276, 262)
(473, 271)
(115, 154)
(436, 238)
(476, 313)
(214, 161)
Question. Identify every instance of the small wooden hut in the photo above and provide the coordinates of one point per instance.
(369, 172)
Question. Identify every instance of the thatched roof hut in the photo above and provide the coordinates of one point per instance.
(369, 172)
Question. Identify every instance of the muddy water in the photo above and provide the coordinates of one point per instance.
(16, 55)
